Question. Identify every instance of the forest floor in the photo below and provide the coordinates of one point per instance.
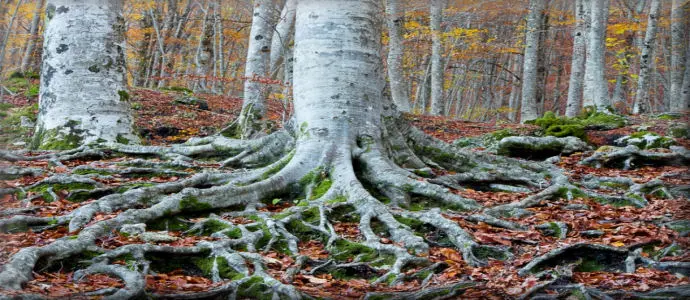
(161, 121)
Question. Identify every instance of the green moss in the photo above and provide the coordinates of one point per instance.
(135, 185)
(69, 137)
(168, 224)
(338, 199)
(192, 203)
(321, 189)
(589, 265)
(668, 117)
(279, 166)
(224, 270)
(179, 89)
(412, 223)
(255, 288)
(124, 95)
(70, 187)
(485, 252)
(33, 91)
(92, 171)
(121, 139)
(10, 122)
(212, 226)
(343, 250)
(615, 185)
(565, 193)
(566, 130)
(562, 126)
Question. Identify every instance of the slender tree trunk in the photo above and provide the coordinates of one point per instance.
(642, 101)
(543, 59)
(422, 93)
(678, 36)
(33, 36)
(395, 21)
(596, 87)
(204, 50)
(5, 39)
(528, 110)
(83, 95)
(256, 68)
(282, 36)
(436, 16)
(515, 89)
(577, 64)
(685, 93)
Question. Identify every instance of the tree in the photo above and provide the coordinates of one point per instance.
(83, 92)
(528, 109)
(596, 86)
(31, 42)
(437, 68)
(577, 68)
(345, 133)
(280, 43)
(642, 103)
(678, 38)
(256, 68)
(395, 22)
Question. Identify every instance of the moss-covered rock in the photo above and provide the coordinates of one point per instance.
(563, 126)
(645, 140)
(540, 147)
(679, 130)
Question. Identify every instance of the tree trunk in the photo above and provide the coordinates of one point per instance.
(83, 96)
(436, 16)
(685, 93)
(642, 101)
(678, 38)
(395, 20)
(33, 35)
(282, 36)
(204, 50)
(577, 65)
(5, 39)
(596, 87)
(528, 109)
(256, 68)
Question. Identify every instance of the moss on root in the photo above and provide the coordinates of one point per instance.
(563, 126)
(43, 190)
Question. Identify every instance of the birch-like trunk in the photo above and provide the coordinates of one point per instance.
(395, 21)
(338, 80)
(642, 102)
(256, 68)
(83, 93)
(282, 36)
(685, 92)
(596, 87)
(577, 64)
(436, 16)
(678, 38)
(528, 109)
(205, 50)
(33, 35)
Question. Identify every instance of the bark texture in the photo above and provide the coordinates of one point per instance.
(528, 110)
(395, 21)
(83, 93)
(678, 41)
(596, 86)
(642, 100)
(577, 66)
(256, 68)
(435, 17)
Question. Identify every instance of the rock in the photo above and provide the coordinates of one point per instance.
(154, 237)
(192, 101)
(645, 140)
(133, 229)
(540, 147)
(25, 122)
(678, 130)
(556, 229)
(19, 144)
(591, 233)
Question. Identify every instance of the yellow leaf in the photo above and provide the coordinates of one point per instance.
(618, 244)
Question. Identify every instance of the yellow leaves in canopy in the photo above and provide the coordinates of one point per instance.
(624, 27)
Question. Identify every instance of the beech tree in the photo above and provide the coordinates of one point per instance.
(83, 93)
(678, 36)
(528, 109)
(437, 67)
(596, 87)
(395, 21)
(346, 134)
(577, 68)
(642, 102)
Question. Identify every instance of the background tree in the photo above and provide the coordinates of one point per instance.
(577, 67)
(437, 67)
(642, 102)
(596, 87)
(395, 20)
(528, 109)
(83, 94)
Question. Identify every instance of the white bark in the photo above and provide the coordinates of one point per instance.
(646, 58)
(33, 35)
(395, 21)
(685, 93)
(282, 36)
(205, 49)
(677, 54)
(596, 86)
(436, 16)
(256, 66)
(577, 69)
(83, 85)
(528, 110)
(338, 80)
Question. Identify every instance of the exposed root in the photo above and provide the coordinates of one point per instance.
(632, 157)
